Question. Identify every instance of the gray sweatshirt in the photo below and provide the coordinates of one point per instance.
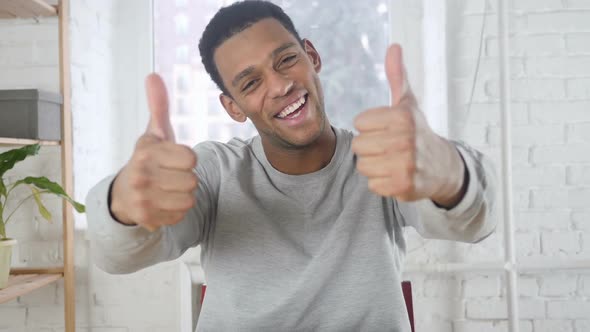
(313, 252)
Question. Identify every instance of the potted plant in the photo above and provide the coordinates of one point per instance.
(38, 186)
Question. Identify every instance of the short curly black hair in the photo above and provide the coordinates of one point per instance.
(231, 20)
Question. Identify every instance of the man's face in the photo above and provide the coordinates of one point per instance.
(273, 81)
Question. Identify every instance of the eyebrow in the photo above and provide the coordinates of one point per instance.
(281, 48)
(250, 69)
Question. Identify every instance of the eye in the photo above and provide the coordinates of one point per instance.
(289, 60)
(249, 84)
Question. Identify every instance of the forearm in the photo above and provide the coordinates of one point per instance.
(456, 182)
(117, 211)
(117, 248)
(471, 219)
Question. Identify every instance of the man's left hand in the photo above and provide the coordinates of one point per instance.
(399, 153)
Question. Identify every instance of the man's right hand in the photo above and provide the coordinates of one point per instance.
(157, 185)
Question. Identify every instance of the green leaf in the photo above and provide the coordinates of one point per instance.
(42, 209)
(9, 158)
(2, 188)
(2, 230)
(46, 184)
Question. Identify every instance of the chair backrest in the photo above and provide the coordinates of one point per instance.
(406, 289)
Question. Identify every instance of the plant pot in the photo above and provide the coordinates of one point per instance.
(5, 255)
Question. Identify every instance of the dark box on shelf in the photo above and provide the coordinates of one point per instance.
(31, 113)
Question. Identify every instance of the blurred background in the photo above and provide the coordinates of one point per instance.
(451, 50)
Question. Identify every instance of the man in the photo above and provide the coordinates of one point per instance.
(300, 227)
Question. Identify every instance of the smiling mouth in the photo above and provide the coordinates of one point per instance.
(294, 110)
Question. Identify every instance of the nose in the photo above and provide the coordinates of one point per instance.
(279, 85)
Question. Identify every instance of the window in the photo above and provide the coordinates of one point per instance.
(182, 83)
(182, 54)
(181, 24)
(352, 57)
(182, 107)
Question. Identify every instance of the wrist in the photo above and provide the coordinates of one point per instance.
(115, 209)
(454, 181)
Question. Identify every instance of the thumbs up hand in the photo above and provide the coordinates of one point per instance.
(399, 153)
(156, 186)
(158, 103)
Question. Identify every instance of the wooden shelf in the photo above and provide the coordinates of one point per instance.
(26, 9)
(21, 284)
(5, 141)
(23, 281)
(37, 270)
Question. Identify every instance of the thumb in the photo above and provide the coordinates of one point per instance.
(157, 96)
(396, 73)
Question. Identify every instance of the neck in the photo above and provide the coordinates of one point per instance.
(310, 159)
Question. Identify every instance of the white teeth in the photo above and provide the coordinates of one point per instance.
(291, 108)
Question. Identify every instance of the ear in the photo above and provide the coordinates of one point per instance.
(232, 108)
(313, 55)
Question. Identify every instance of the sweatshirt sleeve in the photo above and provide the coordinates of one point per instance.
(118, 248)
(471, 220)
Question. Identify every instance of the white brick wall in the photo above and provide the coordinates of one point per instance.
(488, 326)
(550, 88)
(578, 88)
(28, 59)
(482, 286)
(569, 309)
(559, 285)
(528, 286)
(146, 301)
(553, 326)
